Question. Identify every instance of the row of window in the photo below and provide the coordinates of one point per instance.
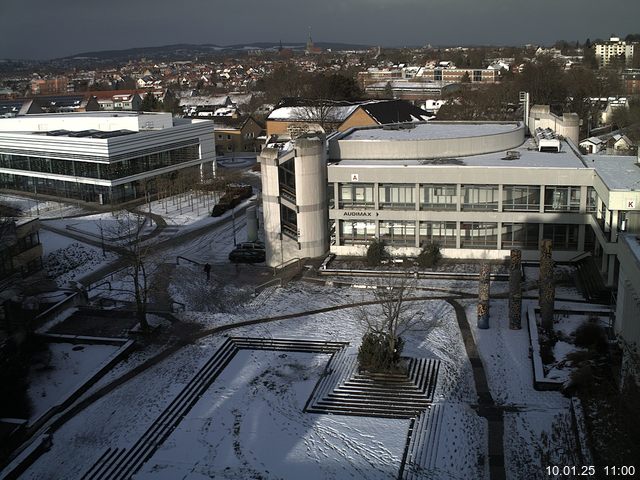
(472, 197)
(111, 171)
(525, 236)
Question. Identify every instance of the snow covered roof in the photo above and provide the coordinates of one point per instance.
(432, 131)
(618, 172)
(333, 114)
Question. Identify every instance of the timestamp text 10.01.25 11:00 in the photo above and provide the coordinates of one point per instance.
(557, 471)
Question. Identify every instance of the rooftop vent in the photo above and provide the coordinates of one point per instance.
(511, 155)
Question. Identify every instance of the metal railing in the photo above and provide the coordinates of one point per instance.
(284, 265)
(178, 258)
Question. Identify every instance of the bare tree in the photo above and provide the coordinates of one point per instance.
(128, 233)
(388, 320)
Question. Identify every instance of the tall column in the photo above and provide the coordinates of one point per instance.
(483, 296)
(515, 290)
(547, 288)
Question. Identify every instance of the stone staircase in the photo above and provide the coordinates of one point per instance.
(344, 390)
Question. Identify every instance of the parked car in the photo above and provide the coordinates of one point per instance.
(248, 252)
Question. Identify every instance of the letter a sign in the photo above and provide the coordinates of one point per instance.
(354, 177)
(631, 204)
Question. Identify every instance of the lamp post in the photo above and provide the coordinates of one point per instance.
(233, 222)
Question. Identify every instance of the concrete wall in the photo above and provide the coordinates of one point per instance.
(85, 121)
(568, 125)
(309, 155)
(432, 148)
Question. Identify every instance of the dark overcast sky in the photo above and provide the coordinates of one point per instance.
(41, 29)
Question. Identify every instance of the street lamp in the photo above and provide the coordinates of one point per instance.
(233, 221)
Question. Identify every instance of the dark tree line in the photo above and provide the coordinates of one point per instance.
(287, 80)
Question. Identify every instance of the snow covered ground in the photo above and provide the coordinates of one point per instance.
(505, 356)
(40, 208)
(61, 371)
(66, 259)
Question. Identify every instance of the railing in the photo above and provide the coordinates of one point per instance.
(261, 287)
(182, 308)
(284, 265)
(107, 282)
(178, 258)
(71, 300)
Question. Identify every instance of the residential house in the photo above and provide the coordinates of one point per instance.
(237, 135)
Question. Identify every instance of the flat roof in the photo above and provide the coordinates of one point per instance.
(529, 157)
(431, 131)
(618, 172)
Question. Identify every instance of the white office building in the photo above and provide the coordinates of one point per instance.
(103, 157)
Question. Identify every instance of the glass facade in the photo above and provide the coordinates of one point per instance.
(356, 195)
(442, 233)
(520, 235)
(521, 198)
(396, 197)
(88, 192)
(438, 197)
(101, 171)
(287, 179)
(357, 233)
(479, 235)
(398, 233)
(480, 198)
(289, 222)
(561, 199)
(564, 237)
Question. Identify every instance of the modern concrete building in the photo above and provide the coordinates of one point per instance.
(477, 189)
(103, 157)
(20, 248)
(294, 197)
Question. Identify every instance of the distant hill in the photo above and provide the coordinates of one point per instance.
(192, 50)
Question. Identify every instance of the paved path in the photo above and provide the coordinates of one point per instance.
(487, 408)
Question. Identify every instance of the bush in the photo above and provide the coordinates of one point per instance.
(429, 256)
(374, 354)
(376, 253)
(592, 336)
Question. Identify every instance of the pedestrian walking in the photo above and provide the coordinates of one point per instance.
(207, 271)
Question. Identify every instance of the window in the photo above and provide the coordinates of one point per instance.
(592, 200)
(562, 199)
(480, 197)
(287, 179)
(477, 75)
(478, 235)
(356, 195)
(228, 137)
(520, 235)
(289, 222)
(398, 233)
(442, 233)
(438, 197)
(520, 198)
(356, 233)
(396, 197)
(564, 237)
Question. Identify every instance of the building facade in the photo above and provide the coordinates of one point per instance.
(20, 247)
(614, 49)
(101, 157)
(477, 189)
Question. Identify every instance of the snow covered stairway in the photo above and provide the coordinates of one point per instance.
(287, 345)
(122, 464)
(422, 448)
(346, 391)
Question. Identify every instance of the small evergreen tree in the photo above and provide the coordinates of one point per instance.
(376, 253)
(430, 255)
(375, 354)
